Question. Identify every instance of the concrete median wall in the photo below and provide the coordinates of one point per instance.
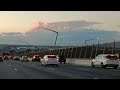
(86, 62)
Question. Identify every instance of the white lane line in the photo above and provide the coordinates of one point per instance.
(29, 78)
(84, 69)
(95, 78)
(51, 68)
(15, 69)
(9, 65)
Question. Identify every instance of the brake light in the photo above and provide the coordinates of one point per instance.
(57, 59)
(107, 59)
(48, 59)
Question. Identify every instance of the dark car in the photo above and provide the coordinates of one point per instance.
(1, 59)
(6, 57)
(62, 59)
(36, 58)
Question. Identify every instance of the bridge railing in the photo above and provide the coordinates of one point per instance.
(84, 52)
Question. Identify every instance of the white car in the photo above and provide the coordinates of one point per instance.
(106, 60)
(50, 60)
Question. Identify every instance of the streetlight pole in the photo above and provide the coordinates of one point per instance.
(54, 32)
(89, 40)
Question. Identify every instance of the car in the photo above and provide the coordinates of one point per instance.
(24, 58)
(10, 57)
(62, 59)
(16, 58)
(50, 60)
(1, 58)
(105, 60)
(36, 58)
(6, 57)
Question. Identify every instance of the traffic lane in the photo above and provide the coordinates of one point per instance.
(91, 72)
(85, 72)
(30, 70)
(73, 71)
(76, 71)
(49, 72)
(6, 72)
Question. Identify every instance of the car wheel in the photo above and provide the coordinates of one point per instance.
(103, 66)
(115, 67)
(92, 64)
(42, 65)
(56, 65)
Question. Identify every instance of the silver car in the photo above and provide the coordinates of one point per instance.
(106, 60)
(50, 60)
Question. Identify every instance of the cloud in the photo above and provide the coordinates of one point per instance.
(11, 34)
(68, 25)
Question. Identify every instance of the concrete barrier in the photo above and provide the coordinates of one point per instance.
(86, 62)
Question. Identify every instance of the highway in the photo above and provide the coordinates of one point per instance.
(33, 70)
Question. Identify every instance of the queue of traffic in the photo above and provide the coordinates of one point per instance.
(46, 60)
(102, 60)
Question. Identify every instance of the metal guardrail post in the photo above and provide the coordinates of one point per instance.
(61, 51)
(71, 53)
(104, 48)
(68, 52)
(80, 51)
(58, 51)
(97, 49)
(113, 47)
(75, 52)
(65, 52)
(91, 51)
(85, 51)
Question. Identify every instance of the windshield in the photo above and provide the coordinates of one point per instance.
(112, 57)
(52, 57)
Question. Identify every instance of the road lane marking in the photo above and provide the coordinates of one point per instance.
(15, 69)
(84, 69)
(9, 65)
(51, 68)
(29, 78)
(95, 78)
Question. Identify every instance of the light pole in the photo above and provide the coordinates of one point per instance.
(89, 40)
(54, 32)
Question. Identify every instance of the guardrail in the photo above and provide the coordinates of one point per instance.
(84, 52)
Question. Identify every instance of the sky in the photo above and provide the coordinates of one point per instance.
(22, 21)
(24, 26)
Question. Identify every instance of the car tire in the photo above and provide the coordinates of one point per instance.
(115, 67)
(92, 64)
(56, 65)
(103, 66)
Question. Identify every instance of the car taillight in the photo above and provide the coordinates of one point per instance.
(48, 59)
(107, 59)
(57, 59)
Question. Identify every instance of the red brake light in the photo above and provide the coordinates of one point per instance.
(107, 59)
(57, 59)
(48, 59)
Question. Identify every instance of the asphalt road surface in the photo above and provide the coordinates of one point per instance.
(33, 70)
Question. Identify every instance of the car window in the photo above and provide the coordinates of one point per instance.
(112, 57)
(96, 58)
(103, 57)
(51, 56)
